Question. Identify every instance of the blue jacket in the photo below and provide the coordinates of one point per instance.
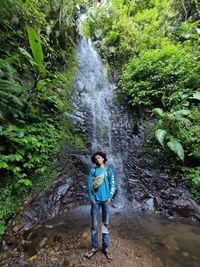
(104, 191)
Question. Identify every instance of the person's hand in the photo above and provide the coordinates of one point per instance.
(93, 202)
(108, 201)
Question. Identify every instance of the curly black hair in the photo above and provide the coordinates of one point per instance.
(103, 155)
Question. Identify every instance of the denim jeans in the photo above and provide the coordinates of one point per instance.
(95, 212)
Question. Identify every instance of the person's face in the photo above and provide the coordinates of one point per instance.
(99, 160)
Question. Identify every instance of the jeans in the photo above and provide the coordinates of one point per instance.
(95, 211)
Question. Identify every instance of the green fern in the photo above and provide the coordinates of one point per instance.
(176, 147)
(178, 116)
(195, 95)
(168, 127)
(26, 182)
(159, 111)
(160, 135)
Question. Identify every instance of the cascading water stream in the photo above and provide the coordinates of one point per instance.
(96, 95)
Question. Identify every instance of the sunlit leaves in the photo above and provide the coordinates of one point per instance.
(36, 48)
(159, 111)
(161, 77)
(25, 182)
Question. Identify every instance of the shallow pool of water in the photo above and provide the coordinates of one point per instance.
(175, 242)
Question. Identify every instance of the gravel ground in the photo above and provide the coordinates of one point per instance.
(53, 251)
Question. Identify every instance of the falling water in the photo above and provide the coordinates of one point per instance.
(95, 99)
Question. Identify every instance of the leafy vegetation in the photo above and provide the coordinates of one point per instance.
(151, 46)
(160, 76)
(154, 48)
(37, 67)
(169, 126)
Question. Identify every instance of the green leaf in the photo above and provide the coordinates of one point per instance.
(183, 112)
(28, 165)
(13, 157)
(21, 134)
(184, 121)
(2, 229)
(35, 47)
(176, 147)
(16, 170)
(195, 95)
(3, 165)
(27, 55)
(159, 111)
(41, 84)
(26, 182)
(185, 26)
(178, 116)
(160, 135)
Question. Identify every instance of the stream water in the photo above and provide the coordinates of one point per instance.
(175, 242)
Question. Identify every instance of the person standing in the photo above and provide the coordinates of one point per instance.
(101, 188)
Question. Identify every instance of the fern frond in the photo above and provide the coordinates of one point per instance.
(196, 95)
(176, 147)
(11, 87)
(183, 121)
(7, 97)
(159, 111)
(160, 135)
(179, 116)
(182, 112)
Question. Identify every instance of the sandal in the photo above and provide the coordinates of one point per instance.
(91, 253)
(107, 254)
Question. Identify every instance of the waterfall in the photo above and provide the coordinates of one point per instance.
(94, 97)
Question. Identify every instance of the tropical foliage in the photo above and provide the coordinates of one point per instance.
(37, 65)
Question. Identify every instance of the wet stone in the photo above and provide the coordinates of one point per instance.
(43, 242)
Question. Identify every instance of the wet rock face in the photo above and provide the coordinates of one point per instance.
(148, 188)
(67, 191)
(60, 197)
(186, 208)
